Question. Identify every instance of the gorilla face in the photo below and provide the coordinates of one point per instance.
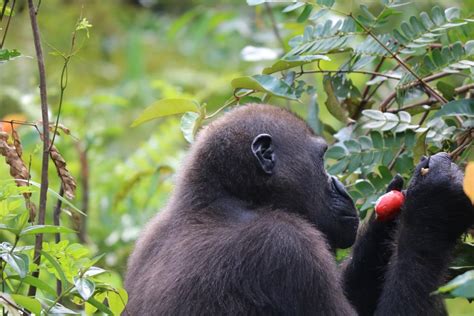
(334, 211)
(299, 164)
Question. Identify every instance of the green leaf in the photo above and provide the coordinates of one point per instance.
(31, 304)
(293, 7)
(335, 152)
(56, 266)
(55, 194)
(292, 62)
(460, 286)
(446, 89)
(326, 3)
(45, 229)
(166, 107)
(43, 286)
(305, 14)
(18, 261)
(117, 300)
(6, 54)
(93, 271)
(100, 306)
(189, 124)
(332, 103)
(84, 287)
(265, 83)
(10, 229)
(458, 107)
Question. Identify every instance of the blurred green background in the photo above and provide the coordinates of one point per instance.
(139, 52)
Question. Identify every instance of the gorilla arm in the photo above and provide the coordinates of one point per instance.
(435, 215)
(363, 272)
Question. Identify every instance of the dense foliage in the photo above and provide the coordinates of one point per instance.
(385, 82)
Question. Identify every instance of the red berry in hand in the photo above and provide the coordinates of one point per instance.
(389, 205)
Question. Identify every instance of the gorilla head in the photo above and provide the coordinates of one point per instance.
(269, 159)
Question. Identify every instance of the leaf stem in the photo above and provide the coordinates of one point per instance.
(435, 94)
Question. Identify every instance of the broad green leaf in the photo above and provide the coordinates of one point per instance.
(460, 286)
(45, 229)
(374, 114)
(43, 286)
(10, 229)
(6, 54)
(84, 287)
(365, 187)
(293, 61)
(458, 107)
(54, 262)
(93, 271)
(100, 306)
(332, 103)
(166, 107)
(18, 261)
(336, 152)
(31, 304)
(117, 300)
(265, 83)
(55, 194)
(305, 14)
(189, 123)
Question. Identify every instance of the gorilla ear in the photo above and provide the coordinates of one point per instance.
(262, 149)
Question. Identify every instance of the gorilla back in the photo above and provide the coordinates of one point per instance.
(249, 227)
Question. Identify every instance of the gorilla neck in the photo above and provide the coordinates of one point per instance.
(198, 190)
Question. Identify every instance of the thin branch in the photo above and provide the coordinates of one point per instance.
(463, 89)
(268, 8)
(401, 62)
(428, 102)
(45, 158)
(364, 72)
(388, 100)
(8, 22)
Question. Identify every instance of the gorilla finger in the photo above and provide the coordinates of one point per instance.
(396, 183)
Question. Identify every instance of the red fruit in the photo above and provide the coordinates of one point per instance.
(389, 205)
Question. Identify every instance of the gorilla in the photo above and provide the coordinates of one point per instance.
(251, 227)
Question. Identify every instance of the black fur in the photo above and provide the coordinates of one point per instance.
(252, 221)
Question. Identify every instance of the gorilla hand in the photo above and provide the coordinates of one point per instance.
(436, 207)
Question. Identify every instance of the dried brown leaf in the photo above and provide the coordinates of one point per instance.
(68, 181)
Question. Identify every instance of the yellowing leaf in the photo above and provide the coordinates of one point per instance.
(469, 181)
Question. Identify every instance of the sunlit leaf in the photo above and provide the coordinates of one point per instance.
(18, 261)
(265, 83)
(166, 107)
(84, 287)
(45, 229)
(31, 304)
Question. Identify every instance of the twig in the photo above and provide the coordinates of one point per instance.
(465, 88)
(401, 62)
(465, 143)
(388, 100)
(365, 94)
(45, 158)
(8, 21)
(364, 72)
(428, 102)
(274, 25)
